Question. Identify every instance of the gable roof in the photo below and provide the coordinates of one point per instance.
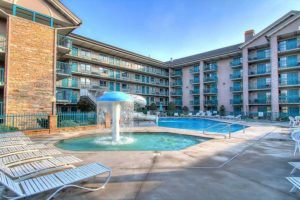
(208, 54)
(65, 11)
(277, 22)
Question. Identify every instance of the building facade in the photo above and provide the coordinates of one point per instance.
(45, 68)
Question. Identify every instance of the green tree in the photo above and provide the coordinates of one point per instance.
(185, 110)
(153, 107)
(222, 110)
(171, 108)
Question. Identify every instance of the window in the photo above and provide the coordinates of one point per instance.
(102, 83)
(124, 86)
(85, 53)
(85, 81)
(103, 70)
(124, 74)
(85, 67)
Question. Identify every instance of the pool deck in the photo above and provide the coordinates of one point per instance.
(251, 165)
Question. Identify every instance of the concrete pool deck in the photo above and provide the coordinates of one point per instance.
(251, 165)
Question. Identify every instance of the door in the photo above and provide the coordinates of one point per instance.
(117, 86)
(292, 78)
(293, 96)
(118, 74)
(111, 86)
(65, 82)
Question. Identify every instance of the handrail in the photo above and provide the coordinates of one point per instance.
(227, 125)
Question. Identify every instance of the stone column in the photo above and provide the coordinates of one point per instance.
(274, 77)
(245, 81)
(201, 88)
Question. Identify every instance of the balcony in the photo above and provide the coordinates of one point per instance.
(210, 79)
(235, 76)
(194, 70)
(2, 75)
(66, 96)
(236, 89)
(236, 101)
(285, 82)
(236, 62)
(176, 73)
(283, 99)
(290, 45)
(178, 103)
(210, 90)
(213, 102)
(195, 103)
(2, 46)
(210, 67)
(289, 64)
(176, 93)
(64, 44)
(259, 86)
(260, 55)
(63, 70)
(195, 92)
(177, 84)
(259, 72)
(260, 101)
(195, 81)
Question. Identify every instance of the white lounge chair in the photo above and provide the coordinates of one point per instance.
(20, 158)
(238, 117)
(12, 134)
(20, 149)
(296, 183)
(296, 137)
(292, 122)
(296, 166)
(30, 169)
(7, 139)
(229, 117)
(190, 114)
(56, 181)
(297, 120)
(15, 143)
(176, 115)
(208, 114)
(197, 114)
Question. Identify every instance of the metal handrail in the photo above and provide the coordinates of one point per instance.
(228, 125)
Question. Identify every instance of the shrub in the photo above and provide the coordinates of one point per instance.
(4, 128)
(44, 123)
(185, 110)
(68, 123)
(171, 108)
(222, 110)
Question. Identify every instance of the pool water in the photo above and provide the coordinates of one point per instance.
(197, 124)
(132, 142)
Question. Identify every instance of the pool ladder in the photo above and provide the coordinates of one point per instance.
(228, 127)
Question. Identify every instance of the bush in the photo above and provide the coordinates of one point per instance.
(4, 128)
(185, 110)
(171, 108)
(222, 110)
(68, 123)
(44, 123)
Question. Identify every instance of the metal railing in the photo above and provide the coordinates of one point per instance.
(14, 122)
(63, 68)
(74, 119)
(64, 41)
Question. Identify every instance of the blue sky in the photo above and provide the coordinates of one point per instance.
(164, 29)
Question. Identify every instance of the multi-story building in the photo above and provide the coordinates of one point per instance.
(45, 67)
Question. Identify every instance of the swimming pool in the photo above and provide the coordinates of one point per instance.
(132, 142)
(198, 124)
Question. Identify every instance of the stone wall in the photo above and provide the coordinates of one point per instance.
(30, 67)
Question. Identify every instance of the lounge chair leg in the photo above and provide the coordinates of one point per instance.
(293, 189)
(296, 147)
(293, 171)
(81, 187)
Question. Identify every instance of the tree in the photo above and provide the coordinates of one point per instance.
(153, 107)
(185, 110)
(222, 110)
(171, 108)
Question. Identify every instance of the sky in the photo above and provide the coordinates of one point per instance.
(165, 29)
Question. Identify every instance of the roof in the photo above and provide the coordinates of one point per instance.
(208, 54)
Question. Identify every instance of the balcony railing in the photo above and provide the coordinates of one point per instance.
(236, 89)
(195, 91)
(287, 45)
(236, 101)
(177, 83)
(176, 73)
(289, 99)
(196, 102)
(63, 68)
(178, 103)
(210, 79)
(176, 93)
(236, 75)
(236, 62)
(259, 55)
(194, 70)
(260, 101)
(64, 41)
(2, 76)
(195, 81)
(262, 71)
(66, 96)
(211, 102)
(210, 67)
(283, 64)
(259, 86)
(288, 82)
(2, 43)
(210, 90)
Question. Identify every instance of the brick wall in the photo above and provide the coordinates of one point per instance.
(30, 67)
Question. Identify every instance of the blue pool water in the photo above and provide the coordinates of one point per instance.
(197, 124)
(132, 142)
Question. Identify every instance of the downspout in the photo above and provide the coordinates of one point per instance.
(53, 99)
